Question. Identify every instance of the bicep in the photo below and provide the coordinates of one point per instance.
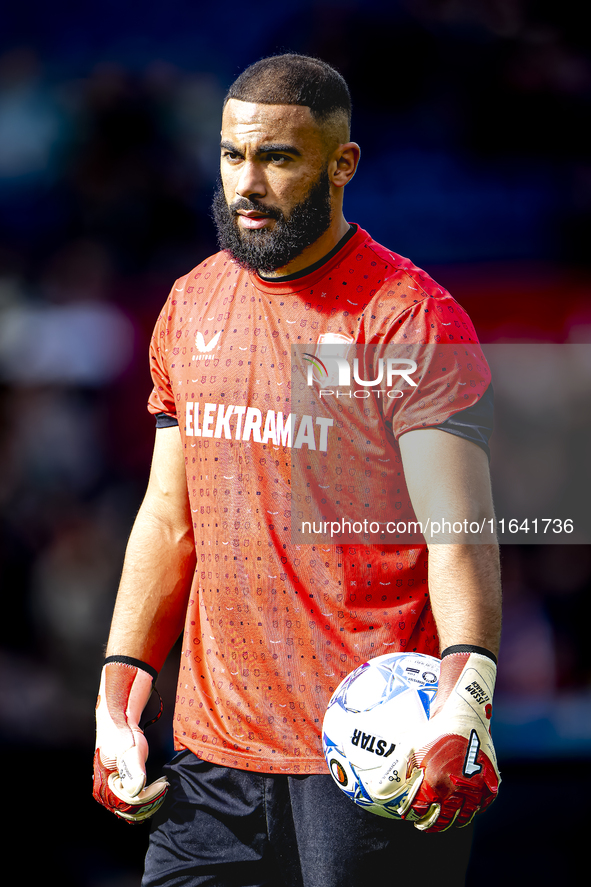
(166, 494)
(447, 477)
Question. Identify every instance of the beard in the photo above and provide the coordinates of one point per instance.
(266, 250)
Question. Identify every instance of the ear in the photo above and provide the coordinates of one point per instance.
(343, 164)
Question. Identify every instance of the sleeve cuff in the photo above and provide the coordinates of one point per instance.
(165, 420)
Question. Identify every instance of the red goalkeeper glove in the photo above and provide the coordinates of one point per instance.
(121, 747)
(452, 769)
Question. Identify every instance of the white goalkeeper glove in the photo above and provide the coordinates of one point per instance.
(121, 747)
(451, 768)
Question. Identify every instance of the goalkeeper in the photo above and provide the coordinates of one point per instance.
(270, 626)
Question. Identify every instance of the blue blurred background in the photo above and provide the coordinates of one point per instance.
(473, 117)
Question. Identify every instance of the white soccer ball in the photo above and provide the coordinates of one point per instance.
(370, 721)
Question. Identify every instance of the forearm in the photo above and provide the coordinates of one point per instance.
(153, 593)
(159, 561)
(465, 593)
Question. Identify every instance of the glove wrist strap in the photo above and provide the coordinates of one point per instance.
(136, 663)
(468, 648)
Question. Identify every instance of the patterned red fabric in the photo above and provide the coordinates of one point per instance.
(273, 623)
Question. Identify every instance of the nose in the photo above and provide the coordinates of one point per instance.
(251, 181)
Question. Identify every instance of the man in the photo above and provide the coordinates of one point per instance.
(271, 624)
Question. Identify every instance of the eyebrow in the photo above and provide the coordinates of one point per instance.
(273, 148)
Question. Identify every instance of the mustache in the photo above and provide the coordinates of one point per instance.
(247, 205)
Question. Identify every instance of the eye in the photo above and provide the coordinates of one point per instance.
(230, 156)
(277, 159)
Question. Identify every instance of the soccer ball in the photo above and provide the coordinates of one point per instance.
(371, 718)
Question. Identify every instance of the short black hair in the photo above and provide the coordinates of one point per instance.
(293, 79)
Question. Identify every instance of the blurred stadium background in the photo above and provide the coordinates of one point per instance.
(473, 117)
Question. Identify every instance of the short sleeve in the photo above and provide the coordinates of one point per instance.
(451, 372)
(161, 400)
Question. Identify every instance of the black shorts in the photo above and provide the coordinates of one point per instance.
(234, 828)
